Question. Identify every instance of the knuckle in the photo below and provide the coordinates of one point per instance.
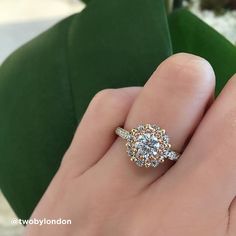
(190, 72)
(102, 96)
(111, 100)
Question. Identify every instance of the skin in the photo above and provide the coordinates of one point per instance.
(103, 193)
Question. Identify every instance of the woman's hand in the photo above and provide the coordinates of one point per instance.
(103, 193)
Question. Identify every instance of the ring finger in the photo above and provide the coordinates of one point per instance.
(175, 97)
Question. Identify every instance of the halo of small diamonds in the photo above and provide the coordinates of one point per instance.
(147, 145)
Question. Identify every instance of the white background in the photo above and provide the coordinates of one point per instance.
(21, 20)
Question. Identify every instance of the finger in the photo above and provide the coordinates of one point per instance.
(95, 133)
(209, 162)
(175, 98)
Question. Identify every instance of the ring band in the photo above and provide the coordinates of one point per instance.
(147, 145)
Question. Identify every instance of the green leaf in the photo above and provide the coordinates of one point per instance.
(46, 85)
(192, 35)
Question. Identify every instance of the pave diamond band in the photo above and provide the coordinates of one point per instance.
(147, 145)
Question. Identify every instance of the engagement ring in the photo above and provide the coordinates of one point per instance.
(147, 145)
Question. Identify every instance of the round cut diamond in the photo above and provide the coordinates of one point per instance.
(154, 163)
(147, 145)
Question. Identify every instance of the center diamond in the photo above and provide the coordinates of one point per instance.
(147, 145)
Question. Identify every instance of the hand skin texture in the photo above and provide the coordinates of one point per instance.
(104, 194)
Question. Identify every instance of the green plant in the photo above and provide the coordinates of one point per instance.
(46, 85)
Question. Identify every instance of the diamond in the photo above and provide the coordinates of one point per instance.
(165, 138)
(123, 133)
(155, 163)
(139, 162)
(171, 155)
(140, 127)
(130, 152)
(147, 145)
